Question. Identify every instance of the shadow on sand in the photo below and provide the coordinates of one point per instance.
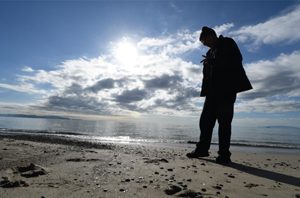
(262, 173)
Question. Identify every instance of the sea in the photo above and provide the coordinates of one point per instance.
(138, 131)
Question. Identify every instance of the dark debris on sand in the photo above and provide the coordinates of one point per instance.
(6, 183)
(191, 194)
(156, 161)
(31, 170)
(173, 189)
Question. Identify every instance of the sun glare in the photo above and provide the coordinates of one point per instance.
(126, 53)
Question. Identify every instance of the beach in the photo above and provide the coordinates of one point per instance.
(53, 167)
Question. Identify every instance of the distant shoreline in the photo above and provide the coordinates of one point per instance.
(33, 116)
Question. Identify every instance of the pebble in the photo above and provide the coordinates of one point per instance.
(218, 187)
(5, 183)
(231, 176)
(172, 190)
(251, 185)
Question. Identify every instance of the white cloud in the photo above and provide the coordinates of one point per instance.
(27, 69)
(268, 105)
(223, 29)
(283, 28)
(276, 84)
(280, 76)
(154, 42)
(25, 88)
(175, 44)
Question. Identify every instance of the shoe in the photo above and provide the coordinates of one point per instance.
(196, 153)
(223, 160)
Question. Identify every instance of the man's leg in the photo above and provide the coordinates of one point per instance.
(225, 113)
(206, 125)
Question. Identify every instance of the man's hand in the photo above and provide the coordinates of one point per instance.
(205, 61)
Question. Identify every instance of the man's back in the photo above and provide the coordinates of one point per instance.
(225, 72)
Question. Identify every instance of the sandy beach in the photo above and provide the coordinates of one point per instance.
(37, 167)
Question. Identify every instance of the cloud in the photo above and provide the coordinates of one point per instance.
(107, 83)
(268, 105)
(223, 29)
(154, 42)
(280, 76)
(182, 42)
(23, 87)
(276, 85)
(163, 82)
(27, 69)
(129, 96)
(282, 28)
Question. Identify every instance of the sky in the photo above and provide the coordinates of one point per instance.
(142, 58)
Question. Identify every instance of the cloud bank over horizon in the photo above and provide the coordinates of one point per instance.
(160, 80)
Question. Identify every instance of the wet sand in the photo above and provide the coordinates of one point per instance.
(37, 167)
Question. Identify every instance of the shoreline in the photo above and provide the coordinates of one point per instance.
(66, 168)
(89, 142)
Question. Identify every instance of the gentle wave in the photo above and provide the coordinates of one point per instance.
(49, 132)
(83, 137)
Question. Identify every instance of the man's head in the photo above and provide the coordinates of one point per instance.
(208, 37)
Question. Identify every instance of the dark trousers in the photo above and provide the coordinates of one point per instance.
(219, 108)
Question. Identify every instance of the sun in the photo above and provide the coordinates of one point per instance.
(126, 53)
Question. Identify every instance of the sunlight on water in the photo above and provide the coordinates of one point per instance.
(149, 132)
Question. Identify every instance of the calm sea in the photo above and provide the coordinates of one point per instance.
(142, 131)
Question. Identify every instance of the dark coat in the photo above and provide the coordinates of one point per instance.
(224, 72)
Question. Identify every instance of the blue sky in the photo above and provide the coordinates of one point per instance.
(141, 58)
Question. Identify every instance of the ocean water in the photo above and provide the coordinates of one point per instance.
(141, 131)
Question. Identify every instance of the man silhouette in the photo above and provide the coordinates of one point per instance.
(223, 77)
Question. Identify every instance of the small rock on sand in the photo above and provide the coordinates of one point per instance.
(32, 170)
(156, 160)
(190, 193)
(6, 183)
(172, 190)
(251, 185)
(231, 176)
